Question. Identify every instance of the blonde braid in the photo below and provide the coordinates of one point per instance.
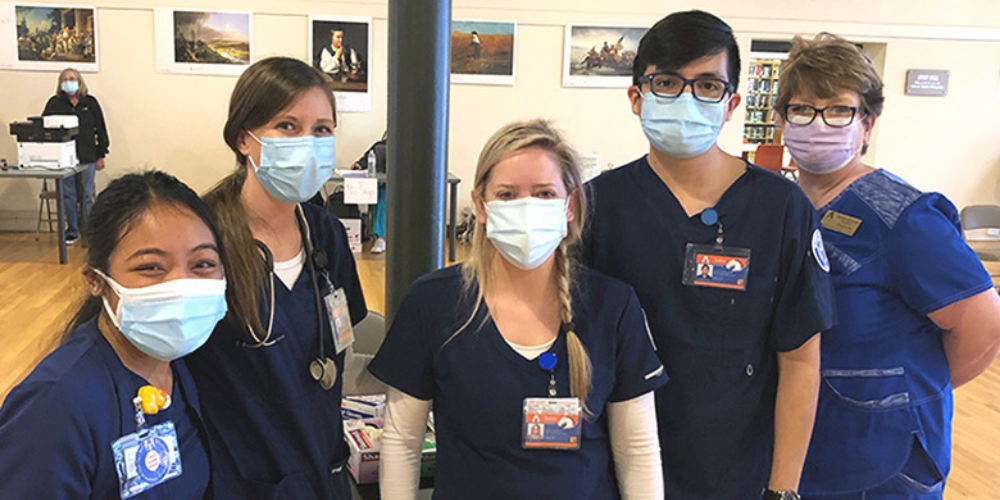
(580, 369)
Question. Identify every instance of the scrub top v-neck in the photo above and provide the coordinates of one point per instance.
(275, 433)
(719, 345)
(478, 384)
(57, 427)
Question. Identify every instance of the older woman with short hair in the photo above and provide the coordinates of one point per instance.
(72, 97)
(917, 312)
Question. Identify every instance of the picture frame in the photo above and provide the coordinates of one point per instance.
(43, 37)
(600, 56)
(341, 47)
(203, 42)
(483, 52)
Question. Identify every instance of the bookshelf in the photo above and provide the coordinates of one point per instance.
(762, 90)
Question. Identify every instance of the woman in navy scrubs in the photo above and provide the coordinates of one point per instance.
(917, 312)
(154, 269)
(271, 377)
(541, 372)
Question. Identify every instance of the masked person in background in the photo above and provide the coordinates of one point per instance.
(272, 377)
(113, 412)
(742, 349)
(73, 97)
(541, 372)
(917, 312)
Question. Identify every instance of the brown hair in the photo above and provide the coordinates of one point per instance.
(264, 90)
(83, 85)
(477, 270)
(825, 66)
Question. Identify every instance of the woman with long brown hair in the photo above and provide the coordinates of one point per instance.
(541, 372)
(271, 378)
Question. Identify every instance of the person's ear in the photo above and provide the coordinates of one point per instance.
(242, 144)
(96, 285)
(480, 206)
(734, 102)
(635, 97)
(572, 204)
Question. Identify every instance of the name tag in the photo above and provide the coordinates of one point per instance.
(551, 423)
(841, 223)
(340, 319)
(716, 266)
(146, 459)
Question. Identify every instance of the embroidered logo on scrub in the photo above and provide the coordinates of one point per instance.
(819, 251)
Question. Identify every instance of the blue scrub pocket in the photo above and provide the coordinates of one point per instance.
(863, 433)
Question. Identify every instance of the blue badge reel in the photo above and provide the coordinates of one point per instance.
(146, 459)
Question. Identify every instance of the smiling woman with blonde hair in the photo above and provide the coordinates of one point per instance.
(541, 372)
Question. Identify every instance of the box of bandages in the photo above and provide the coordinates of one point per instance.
(364, 438)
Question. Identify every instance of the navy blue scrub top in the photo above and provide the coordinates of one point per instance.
(275, 433)
(478, 384)
(716, 417)
(56, 427)
(885, 375)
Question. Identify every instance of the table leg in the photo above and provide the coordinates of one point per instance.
(453, 207)
(81, 208)
(61, 221)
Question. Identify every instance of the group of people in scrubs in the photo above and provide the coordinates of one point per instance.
(687, 325)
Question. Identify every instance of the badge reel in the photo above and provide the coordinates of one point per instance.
(148, 457)
(716, 266)
(551, 423)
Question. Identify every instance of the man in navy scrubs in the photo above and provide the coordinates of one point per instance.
(742, 349)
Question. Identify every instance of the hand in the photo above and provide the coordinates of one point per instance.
(356, 166)
(99, 164)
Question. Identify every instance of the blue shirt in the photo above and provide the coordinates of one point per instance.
(275, 433)
(57, 427)
(478, 384)
(885, 374)
(719, 346)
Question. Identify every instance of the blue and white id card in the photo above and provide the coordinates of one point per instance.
(552, 423)
(146, 459)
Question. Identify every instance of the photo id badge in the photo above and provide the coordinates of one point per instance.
(717, 266)
(340, 319)
(551, 423)
(146, 459)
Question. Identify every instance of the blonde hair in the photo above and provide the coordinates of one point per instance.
(83, 85)
(477, 270)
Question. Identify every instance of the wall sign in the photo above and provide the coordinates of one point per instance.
(928, 82)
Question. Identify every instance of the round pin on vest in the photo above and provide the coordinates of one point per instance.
(547, 361)
(709, 217)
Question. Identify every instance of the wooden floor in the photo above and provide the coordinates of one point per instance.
(37, 296)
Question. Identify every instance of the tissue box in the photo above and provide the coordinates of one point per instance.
(353, 407)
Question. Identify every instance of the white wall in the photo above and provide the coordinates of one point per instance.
(174, 122)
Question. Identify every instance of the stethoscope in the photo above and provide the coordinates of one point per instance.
(322, 368)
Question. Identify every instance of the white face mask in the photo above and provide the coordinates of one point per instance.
(526, 231)
(168, 320)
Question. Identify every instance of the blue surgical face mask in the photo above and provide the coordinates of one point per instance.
(526, 231)
(681, 126)
(293, 169)
(168, 320)
(70, 86)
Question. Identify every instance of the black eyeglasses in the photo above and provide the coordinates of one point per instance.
(834, 116)
(703, 89)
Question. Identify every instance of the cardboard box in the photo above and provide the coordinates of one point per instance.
(364, 438)
(353, 227)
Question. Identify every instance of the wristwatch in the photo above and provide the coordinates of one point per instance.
(770, 494)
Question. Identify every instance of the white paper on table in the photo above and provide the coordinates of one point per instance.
(360, 191)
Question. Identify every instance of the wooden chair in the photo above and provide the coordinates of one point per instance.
(45, 199)
(769, 156)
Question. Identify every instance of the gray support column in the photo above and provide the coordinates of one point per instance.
(419, 55)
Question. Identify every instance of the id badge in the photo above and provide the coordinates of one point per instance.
(340, 319)
(147, 459)
(717, 266)
(551, 423)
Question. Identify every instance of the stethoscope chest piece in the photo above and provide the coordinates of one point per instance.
(324, 371)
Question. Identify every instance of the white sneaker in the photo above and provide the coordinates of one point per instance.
(379, 245)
